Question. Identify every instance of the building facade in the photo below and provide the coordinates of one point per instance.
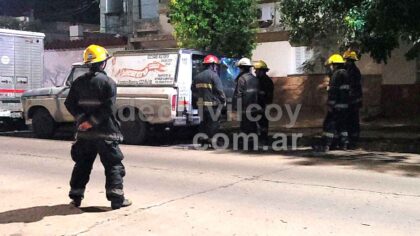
(145, 24)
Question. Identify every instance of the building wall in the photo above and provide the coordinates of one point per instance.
(57, 64)
(284, 60)
(398, 70)
(368, 66)
(277, 55)
(166, 28)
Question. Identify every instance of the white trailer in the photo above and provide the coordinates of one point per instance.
(21, 69)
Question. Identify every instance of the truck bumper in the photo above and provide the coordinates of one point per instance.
(183, 121)
(11, 114)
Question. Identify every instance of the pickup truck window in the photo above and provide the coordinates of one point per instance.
(75, 73)
(228, 71)
(197, 65)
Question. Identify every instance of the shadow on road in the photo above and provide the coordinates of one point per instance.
(407, 164)
(34, 214)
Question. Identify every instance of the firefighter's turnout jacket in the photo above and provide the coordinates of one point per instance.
(246, 91)
(335, 124)
(208, 89)
(355, 78)
(92, 98)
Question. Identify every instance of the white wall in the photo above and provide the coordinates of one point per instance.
(282, 59)
(277, 55)
(57, 64)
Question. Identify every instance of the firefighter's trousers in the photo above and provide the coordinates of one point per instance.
(83, 153)
(353, 123)
(335, 128)
(263, 126)
(209, 125)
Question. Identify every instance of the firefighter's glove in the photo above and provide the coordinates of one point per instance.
(85, 126)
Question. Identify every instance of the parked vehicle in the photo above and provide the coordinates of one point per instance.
(153, 91)
(21, 69)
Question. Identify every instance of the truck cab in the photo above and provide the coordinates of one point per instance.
(153, 90)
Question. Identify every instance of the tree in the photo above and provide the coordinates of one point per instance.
(227, 27)
(372, 26)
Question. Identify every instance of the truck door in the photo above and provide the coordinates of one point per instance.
(22, 65)
(184, 84)
(76, 72)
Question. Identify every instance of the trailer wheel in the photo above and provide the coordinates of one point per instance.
(43, 124)
(134, 132)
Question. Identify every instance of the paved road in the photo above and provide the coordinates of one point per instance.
(179, 191)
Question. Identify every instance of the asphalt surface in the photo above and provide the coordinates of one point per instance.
(180, 191)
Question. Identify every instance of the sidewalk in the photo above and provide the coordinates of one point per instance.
(379, 135)
(384, 135)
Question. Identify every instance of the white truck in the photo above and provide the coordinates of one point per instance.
(21, 69)
(155, 86)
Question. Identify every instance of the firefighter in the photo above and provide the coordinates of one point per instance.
(209, 96)
(338, 104)
(265, 96)
(245, 96)
(91, 101)
(356, 96)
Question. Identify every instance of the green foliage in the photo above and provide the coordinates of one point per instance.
(373, 26)
(227, 27)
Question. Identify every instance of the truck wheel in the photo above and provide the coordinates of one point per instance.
(43, 124)
(134, 132)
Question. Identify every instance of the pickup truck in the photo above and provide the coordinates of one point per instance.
(153, 90)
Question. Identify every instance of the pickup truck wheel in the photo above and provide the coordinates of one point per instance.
(134, 132)
(43, 124)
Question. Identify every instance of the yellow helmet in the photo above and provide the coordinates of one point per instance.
(95, 54)
(261, 65)
(350, 55)
(335, 59)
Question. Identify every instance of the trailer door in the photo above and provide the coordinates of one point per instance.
(7, 72)
(22, 65)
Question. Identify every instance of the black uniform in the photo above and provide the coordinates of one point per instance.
(246, 94)
(356, 102)
(208, 95)
(92, 98)
(265, 97)
(335, 124)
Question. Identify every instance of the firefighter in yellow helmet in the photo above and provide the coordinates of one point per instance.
(334, 127)
(356, 96)
(91, 101)
(265, 96)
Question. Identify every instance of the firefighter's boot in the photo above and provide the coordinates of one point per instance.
(117, 204)
(76, 202)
